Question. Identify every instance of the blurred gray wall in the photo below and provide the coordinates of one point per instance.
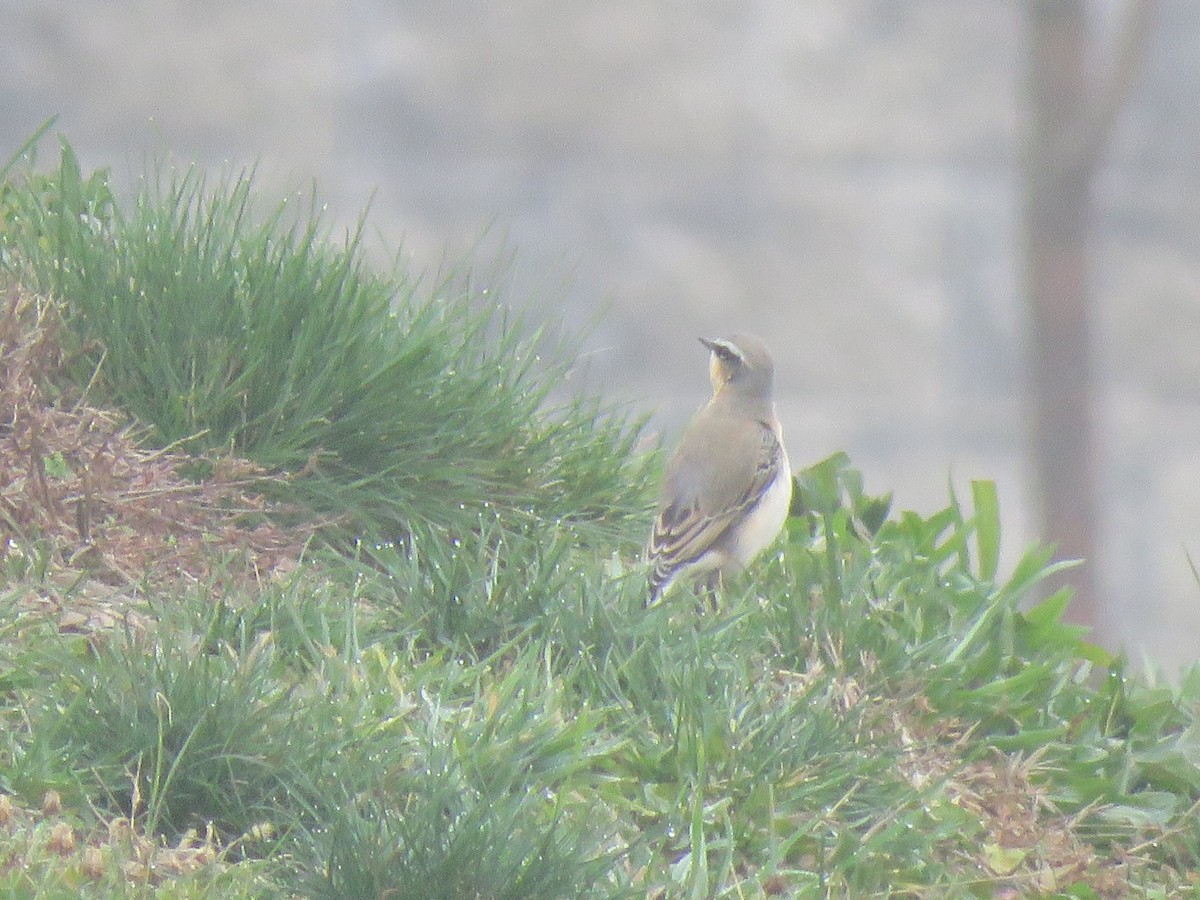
(839, 176)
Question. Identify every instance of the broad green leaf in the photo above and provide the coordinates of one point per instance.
(1003, 860)
(987, 527)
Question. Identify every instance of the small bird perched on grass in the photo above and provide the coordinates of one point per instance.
(726, 491)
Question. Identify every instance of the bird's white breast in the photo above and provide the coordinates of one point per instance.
(762, 525)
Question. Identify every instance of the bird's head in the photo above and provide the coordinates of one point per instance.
(740, 363)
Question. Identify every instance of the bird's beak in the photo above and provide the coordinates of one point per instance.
(711, 345)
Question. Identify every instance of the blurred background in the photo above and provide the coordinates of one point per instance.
(968, 228)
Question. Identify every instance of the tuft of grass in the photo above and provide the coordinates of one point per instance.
(406, 408)
(482, 784)
(184, 735)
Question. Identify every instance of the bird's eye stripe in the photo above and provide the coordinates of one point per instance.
(727, 352)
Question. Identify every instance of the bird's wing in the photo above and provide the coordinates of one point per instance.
(698, 504)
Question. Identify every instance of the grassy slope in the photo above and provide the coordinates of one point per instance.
(472, 701)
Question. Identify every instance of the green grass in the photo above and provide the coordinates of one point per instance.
(481, 706)
(414, 409)
(789, 744)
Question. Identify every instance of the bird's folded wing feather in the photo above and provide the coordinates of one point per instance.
(704, 504)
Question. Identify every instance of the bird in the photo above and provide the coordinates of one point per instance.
(727, 488)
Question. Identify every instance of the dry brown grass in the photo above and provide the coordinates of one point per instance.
(1027, 847)
(110, 854)
(82, 494)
